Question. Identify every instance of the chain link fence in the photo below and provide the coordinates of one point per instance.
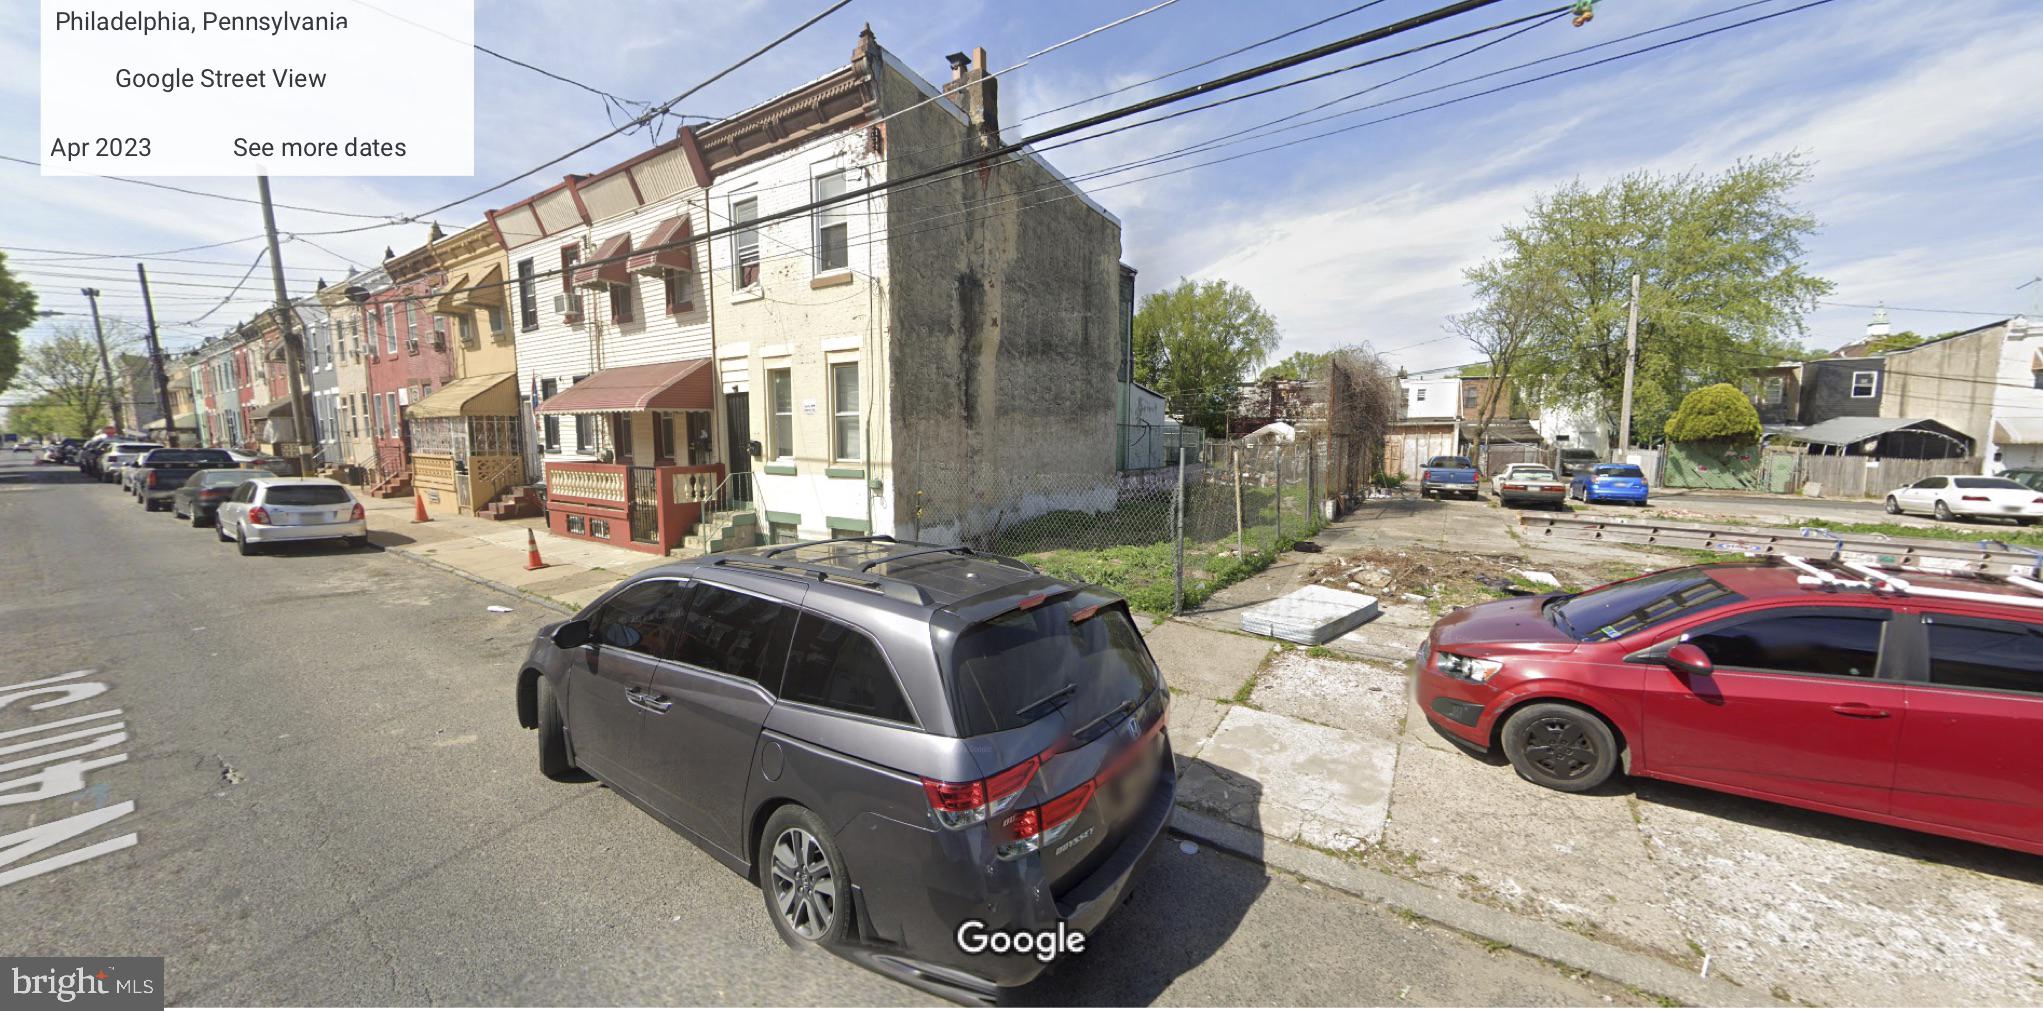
(1166, 537)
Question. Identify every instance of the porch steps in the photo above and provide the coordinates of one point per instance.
(397, 485)
(517, 503)
(724, 530)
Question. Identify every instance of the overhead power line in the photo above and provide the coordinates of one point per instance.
(200, 193)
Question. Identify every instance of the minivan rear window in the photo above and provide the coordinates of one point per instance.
(1003, 667)
(306, 495)
(1620, 609)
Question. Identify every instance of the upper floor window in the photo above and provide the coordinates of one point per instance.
(1864, 384)
(1774, 390)
(623, 307)
(1419, 394)
(569, 256)
(389, 328)
(745, 240)
(1468, 395)
(528, 296)
(832, 237)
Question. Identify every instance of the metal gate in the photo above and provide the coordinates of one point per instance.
(643, 493)
(738, 431)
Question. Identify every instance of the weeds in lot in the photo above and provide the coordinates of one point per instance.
(2028, 536)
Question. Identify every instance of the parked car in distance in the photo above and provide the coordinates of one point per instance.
(1574, 461)
(158, 474)
(62, 451)
(944, 735)
(2028, 477)
(199, 497)
(1610, 482)
(118, 455)
(270, 510)
(1907, 708)
(1450, 475)
(1968, 496)
(1529, 484)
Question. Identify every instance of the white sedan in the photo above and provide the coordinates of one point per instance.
(1950, 497)
(1533, 483)
(275, 510)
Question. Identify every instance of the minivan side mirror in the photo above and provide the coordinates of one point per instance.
(570, 634)
(1687, 658)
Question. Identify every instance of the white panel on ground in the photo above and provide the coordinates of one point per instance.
(1311, 615)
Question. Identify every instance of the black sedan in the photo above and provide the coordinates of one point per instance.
(199, 497)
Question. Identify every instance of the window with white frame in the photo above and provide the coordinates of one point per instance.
(679, 298)
(389, 328)
(1775, 389)
(844, 443)
(832, 235)
(623, 307)
(1864, 384)
(745, 241)
(780, 391)
(528, 296)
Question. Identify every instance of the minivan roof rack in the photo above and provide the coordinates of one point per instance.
(1879, 581)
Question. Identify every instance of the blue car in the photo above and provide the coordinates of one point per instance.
(1609, 482)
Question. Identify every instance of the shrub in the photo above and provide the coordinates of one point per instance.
(1718, 413)
(1390, 481)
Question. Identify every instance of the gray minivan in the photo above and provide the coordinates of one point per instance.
(895, 741)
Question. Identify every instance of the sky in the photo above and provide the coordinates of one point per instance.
(1922, 124)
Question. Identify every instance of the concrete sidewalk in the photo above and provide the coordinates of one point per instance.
(493, 553)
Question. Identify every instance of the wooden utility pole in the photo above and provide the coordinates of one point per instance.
(301, 433)
(156, 361)
(113, 395)
(1631, 361)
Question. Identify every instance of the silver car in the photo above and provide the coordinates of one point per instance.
(117, 459)
(279, 510)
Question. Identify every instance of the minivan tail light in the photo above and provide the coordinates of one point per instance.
(961, 805)
(1032, 827)
(259, 516)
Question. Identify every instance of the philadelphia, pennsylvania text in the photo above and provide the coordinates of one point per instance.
(152, 22)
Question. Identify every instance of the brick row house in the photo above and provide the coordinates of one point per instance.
(466, 448)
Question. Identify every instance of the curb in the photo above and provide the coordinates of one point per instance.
(1640, 972)
(409, 555)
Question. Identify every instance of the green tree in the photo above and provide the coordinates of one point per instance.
(17, 311)
(45, 417)
(1196, 342)
(64, 375)
(1720, 258)
(1296, 365)
(1715, 413)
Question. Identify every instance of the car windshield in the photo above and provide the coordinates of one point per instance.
(1987, 482)
(1617, 610)
(305, 495)
(1619, 470)
(1021, 666)
(1449, 461)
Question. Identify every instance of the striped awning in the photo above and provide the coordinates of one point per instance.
(669, 248)
(607, 267)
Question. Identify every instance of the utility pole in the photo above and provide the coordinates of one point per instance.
(300, 433)
(113, 396)
(1631, 360)
(156, 361)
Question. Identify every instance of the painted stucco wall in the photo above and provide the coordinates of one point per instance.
(1948, 380)
(803, 319)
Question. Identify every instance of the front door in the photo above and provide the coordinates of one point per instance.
(607, 678)
(716, 693)
(1794, 708)
(1967, 758)
(738, 429)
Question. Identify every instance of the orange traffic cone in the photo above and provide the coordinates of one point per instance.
(418, 511)
(532, 553)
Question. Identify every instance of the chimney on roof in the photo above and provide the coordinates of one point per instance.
(435, 234)
(389, 253)
(977, 93)
(1878, 327)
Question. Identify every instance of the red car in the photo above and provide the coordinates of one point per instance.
(1910, 699)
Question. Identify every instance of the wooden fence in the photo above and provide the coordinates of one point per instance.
(1872, 477)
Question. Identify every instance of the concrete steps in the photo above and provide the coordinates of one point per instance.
(521, 502)
(724, 530)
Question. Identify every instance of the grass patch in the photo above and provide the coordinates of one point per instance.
(1128, 549)
(2029, 536)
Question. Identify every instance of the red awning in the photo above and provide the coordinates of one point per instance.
(667, 386)
(669, 248)
(607, 267)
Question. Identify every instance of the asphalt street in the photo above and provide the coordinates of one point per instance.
(333, 804)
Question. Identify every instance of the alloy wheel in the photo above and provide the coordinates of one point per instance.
(1561, 747)
(804, 887)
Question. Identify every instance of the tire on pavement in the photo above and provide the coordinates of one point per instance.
(1943, 512)
(554, 763)
(1893, 507)
(802, 878)
(1560, 746)
(241, 542)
